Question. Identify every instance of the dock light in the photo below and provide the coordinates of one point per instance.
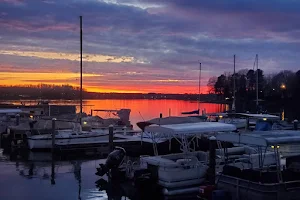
(265, 119)
(220, 116)
(85, 123)
(277, 147)
(31, 116)
(283, 86)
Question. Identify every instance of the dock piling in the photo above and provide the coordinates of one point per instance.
(53, 133)
(212, 160)
(295, 122)
(125, 130)
(247, 123)
(17, 120)
(111, 138)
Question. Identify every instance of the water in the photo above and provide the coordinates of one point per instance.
(32, 177)
(140, 109)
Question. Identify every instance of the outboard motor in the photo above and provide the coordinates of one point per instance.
(113, 161)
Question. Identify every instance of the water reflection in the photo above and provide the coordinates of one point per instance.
(142, 109)
(35, 178)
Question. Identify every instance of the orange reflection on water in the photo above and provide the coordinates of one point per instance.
(147, 109)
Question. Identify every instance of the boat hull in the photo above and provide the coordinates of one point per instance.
(46, 143)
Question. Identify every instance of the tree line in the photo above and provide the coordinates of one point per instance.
(45, 91)
(68, 92)
(275, 91)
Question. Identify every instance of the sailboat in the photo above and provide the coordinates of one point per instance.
(70, 137)
(198, 110)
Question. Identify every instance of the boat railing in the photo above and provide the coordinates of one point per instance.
(288, 185)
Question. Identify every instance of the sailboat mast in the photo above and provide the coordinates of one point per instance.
(257, 81)
(233, 104)
(80, 70)
(199, 87)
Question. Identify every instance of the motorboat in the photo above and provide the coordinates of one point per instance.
(188, 168)
(266, 182)
(65, 137)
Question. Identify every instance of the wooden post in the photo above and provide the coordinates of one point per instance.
(111, 138)
(17, 120)
(91, 112)
(53, 146)
(125, 130)
(160, 116)
(212, 160)
(295, 122)
(247, 123)
(53, 133)
(52, 171)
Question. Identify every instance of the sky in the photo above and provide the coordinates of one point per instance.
(144, 45)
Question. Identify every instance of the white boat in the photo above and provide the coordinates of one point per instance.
(66, 137)
(185, 169)
(262, 183)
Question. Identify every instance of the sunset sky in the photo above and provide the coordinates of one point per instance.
(144, 45)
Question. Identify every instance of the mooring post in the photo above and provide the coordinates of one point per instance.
(53, 146)
(212, 160)
(160, 116)
(217, 119)
(111, 138)
(17, 120)
(295, 122)
(125, 130)
(247, 123)
(91, 112)
(53, 133)
(52, 171)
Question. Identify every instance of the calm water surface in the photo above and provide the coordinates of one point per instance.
(141, 109)
(33, 177)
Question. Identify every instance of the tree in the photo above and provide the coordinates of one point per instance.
(211, 84)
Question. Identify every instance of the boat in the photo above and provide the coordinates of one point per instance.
(119, 121)
(266, 182)
(185, 169)
(66, 137)
(170, 120)
(240, 123)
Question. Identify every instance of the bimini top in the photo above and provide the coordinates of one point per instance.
(10, 111)
(191, 128)
(262, 138)
(258, 116)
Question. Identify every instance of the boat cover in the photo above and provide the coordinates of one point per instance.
(262, 138)
(190, 128)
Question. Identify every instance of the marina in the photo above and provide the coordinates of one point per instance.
(171, 155)
(149, 100)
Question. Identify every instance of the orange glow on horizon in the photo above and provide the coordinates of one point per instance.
(168, 86)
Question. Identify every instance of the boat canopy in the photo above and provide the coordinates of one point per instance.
(10, 111)
(190, 128)
(262, 138)
(257, 116)
(170, 120)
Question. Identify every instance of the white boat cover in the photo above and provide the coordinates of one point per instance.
(262, 138)
(8, 111)
(258, 116)
(190, 128)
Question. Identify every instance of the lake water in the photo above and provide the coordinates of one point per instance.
(31, 177)
(140, 109)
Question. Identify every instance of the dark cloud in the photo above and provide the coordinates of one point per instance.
(169, 36)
